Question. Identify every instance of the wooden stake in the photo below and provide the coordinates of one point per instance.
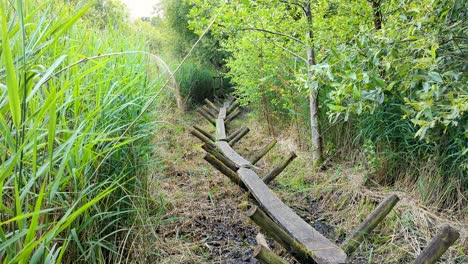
(206, 134)
(255, 158)
(231, 165)
(233, 106)
(224, 170)
(203, 138)
(210, 112)
(266, 256)
(437, 247)
(206, 116)
(239, 136)
(234, 134)
(211, 105)
(232, 115)
(372, 220)
(278, 169)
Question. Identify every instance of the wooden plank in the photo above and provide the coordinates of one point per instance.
(323, 250)
(227, 150)
(222, 113)
(220, 129)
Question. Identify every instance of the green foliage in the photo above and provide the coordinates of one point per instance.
(68, 180)
(196, 82)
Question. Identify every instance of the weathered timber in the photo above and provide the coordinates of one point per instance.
(220, 130)
(371, 221)
(232, 115)
(321, 249)
(232, 175)
(210, 112)
(438, 245)
(232, 107)
(239, 136)
(218, 101)
(255, 158)
(278, 169)
(272, 229)
(206, 116)
(231, 154)
(234, 134)
(222, 113)
(211, 105)
(206, 134)
(266, 256)
(203, 138)
(220, 157)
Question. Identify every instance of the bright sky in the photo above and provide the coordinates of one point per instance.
(140, 8)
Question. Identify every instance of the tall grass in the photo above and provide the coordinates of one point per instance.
(66, 173)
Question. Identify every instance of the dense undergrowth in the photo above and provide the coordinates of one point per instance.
(71, 181)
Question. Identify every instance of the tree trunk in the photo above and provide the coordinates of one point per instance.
(317, 150)
(377, 14)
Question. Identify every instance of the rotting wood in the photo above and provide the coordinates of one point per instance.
(234, 134)
(232, 115)
(203, 138)
(278, 169)
(266, 256)
(211, 105)
(222, 113)
(371, 221)
(239, 136)
(206, 116)
(232, 175)
(220, 157)
(322, 250)
(220, 130)
(206, 134)
(438, 245)
(272, 229)
(233, 107)
(231, 154)
(210, 112)
(259, 155)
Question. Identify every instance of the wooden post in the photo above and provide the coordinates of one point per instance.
(266, 256)
(206, 116)
(220, 157)
(232, 115)
(437, 247)
(279, 235)
(232, 107)
(203, 138)
(224, 170)
(278, 169)
(211, 105)
(206, 134)
(239, 136)
(372, 220)
(210, 112)
(255, 158)
(234, 134)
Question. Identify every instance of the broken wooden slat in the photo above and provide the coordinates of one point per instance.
(438, 245)
(203, 138)
(224, 170)
(255, 158)
(232, 115)
(220, 157)
(206, 116)
(231, 154)
(278, 169)
(371, 221)
(239, 136)
(321, 249)
(220, 130)
(206, 134)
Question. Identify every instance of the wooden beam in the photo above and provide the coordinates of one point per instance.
(202, 138)
(232, 175)
(220, 130)
(211, 105)
(239, 136)
(266, 256)
(438, 245)
(234, 134)
(232, 115)
(210, 112)
(319, 248)
(206, 116)
(231, 154)
(232, 107)
(206, 134)
(222, 113)
(220, 157)
(278, 169)
(255, 158)
(371, 221)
